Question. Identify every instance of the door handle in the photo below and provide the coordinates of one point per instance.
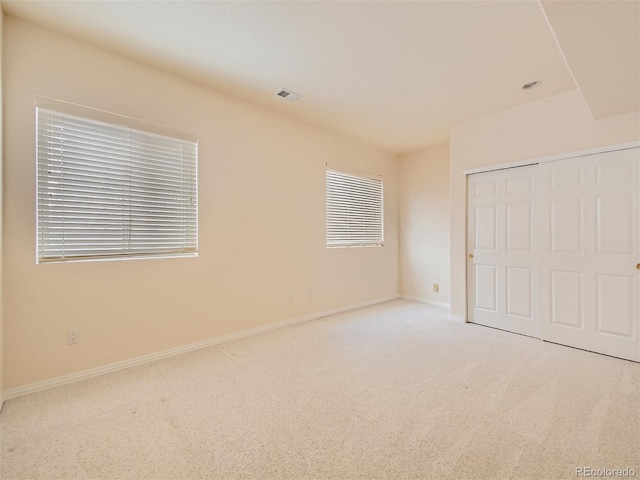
(638, 266)
(471, 256)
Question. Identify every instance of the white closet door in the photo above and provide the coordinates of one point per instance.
(502, 278)
(588, 250)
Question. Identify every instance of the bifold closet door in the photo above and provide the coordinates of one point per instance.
(588, 249)
(501, 273)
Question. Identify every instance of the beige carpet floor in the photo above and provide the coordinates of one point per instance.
(395, 391)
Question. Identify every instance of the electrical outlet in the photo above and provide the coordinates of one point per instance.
(72, 336)
(436, 287)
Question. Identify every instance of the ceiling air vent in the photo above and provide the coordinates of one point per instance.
(289, 95)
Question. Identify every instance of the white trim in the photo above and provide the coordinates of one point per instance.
(551, 158)
(428, 301)
(152, 357)
(457, 318)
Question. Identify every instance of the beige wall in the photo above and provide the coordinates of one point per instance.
(424, 224)
(261, 220)
(555, 125)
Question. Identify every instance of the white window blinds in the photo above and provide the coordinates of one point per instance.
(109, 191)
(354, 210)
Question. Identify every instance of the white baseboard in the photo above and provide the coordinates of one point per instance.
(152, 357)
(426, 300)
(457, 318)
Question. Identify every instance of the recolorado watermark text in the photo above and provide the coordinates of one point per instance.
(604, 472)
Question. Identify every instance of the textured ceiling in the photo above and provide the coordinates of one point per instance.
(395, 74)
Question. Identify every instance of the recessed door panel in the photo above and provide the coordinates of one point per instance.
(561, 178)
(615, 305)
(519, 226)
(566, 298)
(615, 172)
(519, 292)
(485, 216)
(485, 189)
(615, 224)
(519, 185)
(486, 287)
(566, 225)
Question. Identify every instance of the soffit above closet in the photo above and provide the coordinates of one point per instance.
(600, 41)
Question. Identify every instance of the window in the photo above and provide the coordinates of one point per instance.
(354, 210)
(106, 190)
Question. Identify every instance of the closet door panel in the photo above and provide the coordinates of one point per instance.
(501, 251)
(588, 248)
